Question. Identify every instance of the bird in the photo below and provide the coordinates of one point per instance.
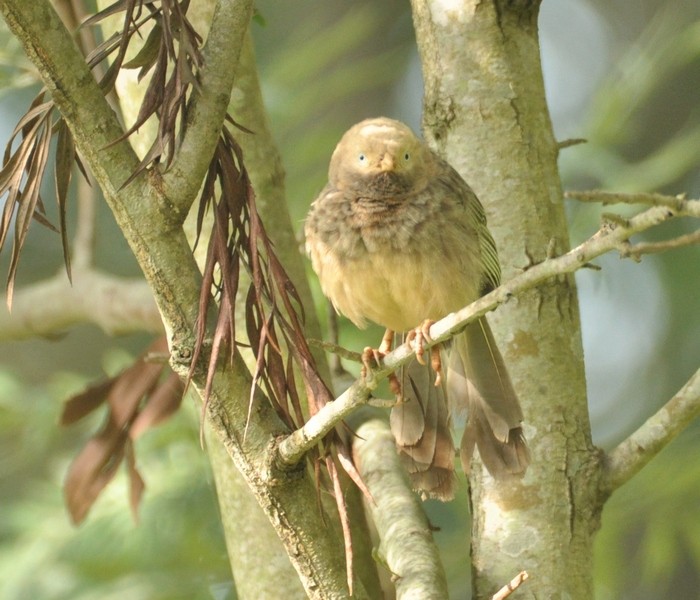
(397, 237)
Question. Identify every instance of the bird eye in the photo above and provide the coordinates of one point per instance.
(362, 158)
(407, 156)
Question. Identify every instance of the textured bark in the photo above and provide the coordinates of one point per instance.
(252, 555)
(261, 568)
(485, 111)
(152, 226)
(406, 540)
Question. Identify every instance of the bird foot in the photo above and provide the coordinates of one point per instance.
(416, 340)
(375, 355)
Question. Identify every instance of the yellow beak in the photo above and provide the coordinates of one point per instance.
(387, 162)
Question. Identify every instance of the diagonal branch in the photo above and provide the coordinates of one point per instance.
(406, 541)
(672, 202)
(210, 99)
(623, 462)
(610, 236)
(151, 226)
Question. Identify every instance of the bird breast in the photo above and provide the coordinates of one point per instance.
(390, 262)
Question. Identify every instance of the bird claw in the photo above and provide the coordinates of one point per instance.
(416, 340)
(370, 355)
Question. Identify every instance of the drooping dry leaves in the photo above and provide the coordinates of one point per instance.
(172, 51)
(23, 166)
(142, 395)
(273, 312)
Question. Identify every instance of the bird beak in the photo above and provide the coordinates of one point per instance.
(387, 162)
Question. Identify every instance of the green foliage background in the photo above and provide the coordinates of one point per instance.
(325, 65)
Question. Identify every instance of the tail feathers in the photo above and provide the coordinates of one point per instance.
(420, 424)
(435, 483)
(478, 381)
(503, 459)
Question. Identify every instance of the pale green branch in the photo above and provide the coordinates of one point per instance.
(611, 236)
(208, 104)
(628, 458)
(605, 197)
(49, 307)
(406, 541)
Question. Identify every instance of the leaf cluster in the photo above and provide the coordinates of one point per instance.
(142, 395)
(22, 173)
(273, 309)
(177, 550)
(139, 397)
(172, 51)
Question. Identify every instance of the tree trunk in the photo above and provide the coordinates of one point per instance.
(252, 555)
(485, 110)
(150, 211)
(264, 165)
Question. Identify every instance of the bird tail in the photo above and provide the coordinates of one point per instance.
(420, 424)
(477, 380)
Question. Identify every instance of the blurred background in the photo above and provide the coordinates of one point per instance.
(625, 76)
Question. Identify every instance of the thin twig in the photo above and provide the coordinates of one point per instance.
(609, 237)
(336, 350)
(673, 202)
(511, 586)
(571, 142)
(635, 251)
(624, 461)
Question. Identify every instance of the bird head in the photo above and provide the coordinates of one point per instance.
(380, 155)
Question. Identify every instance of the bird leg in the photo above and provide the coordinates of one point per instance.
(370, 354)
(416, 340)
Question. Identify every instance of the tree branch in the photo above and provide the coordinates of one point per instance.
(49, 307)
(151, 226)
(635, 251)
(623, 462)
(406, 540)
(673, 202)
(209, 102)
(609, 237)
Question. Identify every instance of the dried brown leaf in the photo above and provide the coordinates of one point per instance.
(147, 55)
(137, 398)
(161, 404)
(80, 405)
(65, 157)
(136, 483)
(344, 519)
(28, 198)
(93, 469)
